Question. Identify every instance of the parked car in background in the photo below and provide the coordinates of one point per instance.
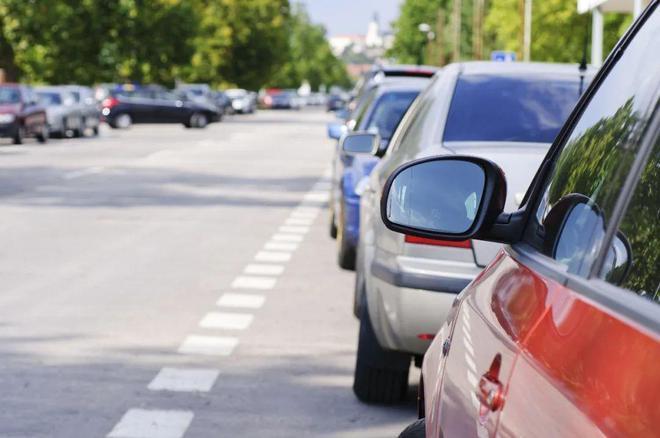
(223, 102)
(316, 99)
(242, 101)
(87, 106)
(506, 112)
(129, 104)
(560, 335)
(336, 101)
(353, 161)
(64, 115)
(285, 99)
(21, 114)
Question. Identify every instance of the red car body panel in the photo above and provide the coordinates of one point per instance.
(554, 347)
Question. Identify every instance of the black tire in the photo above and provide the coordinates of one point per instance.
(415, 430)
(18, 136)
(333, 226)
(43, 136)
(381, 376)
(95, 130)
(345, 251)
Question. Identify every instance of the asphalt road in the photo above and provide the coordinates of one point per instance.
(149, 289)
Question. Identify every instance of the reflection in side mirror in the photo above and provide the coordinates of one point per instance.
(359, 143)
(436, 196)
(336, 130)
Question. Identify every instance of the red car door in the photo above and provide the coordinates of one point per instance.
(498, 313)
(590, 366)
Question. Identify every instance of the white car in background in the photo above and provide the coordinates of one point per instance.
(508, 113)
(63, 113)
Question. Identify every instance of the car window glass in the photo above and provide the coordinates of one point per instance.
(49, 98)
(510, 108)
(597, 156)
(361, 111)
(634, 256)
(388, 111)
(9, 95)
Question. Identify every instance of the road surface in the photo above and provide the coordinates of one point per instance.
(165, 282)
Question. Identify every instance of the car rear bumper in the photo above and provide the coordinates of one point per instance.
(408, 305)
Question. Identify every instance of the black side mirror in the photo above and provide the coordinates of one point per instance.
(359, 143)
(447, 197)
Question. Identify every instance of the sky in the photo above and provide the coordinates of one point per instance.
(351, 16)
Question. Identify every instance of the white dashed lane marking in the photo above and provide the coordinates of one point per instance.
(184, 380)
(272, 256)
(257, 269)
(241, 301)
(281, 246)
(287, 237)
(208, 345)
(293, 229)
(299, 221)
(144, 423)
(226, 321)
(259, 283)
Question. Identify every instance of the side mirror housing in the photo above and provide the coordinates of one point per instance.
(359, 142)
(447, 197)
(336, 130)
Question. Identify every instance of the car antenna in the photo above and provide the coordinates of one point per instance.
(583, 63)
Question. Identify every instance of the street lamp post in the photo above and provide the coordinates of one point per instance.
(429, 35)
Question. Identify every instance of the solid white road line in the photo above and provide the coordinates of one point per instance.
(184, 380)
(260, 283)
(208, 345)
(226, 321)
(281, 246)
(257, 269)
(241, 301)
(293, 229)
(287, 237)
(299, 221)
(272, 256)
(145, 423)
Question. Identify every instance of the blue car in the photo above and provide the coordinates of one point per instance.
(381, 111)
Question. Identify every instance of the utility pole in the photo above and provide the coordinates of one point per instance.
(440, 37)
(477, 29)
(458, 7)
(527, 32)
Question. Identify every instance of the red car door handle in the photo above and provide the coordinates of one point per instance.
(490, 391)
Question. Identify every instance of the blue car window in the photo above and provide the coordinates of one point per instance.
(9, 95)
(388, 112)
(510, 108)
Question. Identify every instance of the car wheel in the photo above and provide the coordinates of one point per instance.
(202, 121)
(381, 376)
(18, 136)
(415, 430)
(333, 226)
(95, 130)
(123, 121)
(43, 136)
(346, 251)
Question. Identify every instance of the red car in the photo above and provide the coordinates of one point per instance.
(21, 115)
(560, 335)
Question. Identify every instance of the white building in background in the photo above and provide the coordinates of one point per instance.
(597, 8)
(373, 44)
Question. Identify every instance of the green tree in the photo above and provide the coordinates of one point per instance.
(558, 31)
(89, 41)
(310, 57)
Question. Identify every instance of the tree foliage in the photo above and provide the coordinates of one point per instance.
(310, 57)
(246, 43)
(558, 31)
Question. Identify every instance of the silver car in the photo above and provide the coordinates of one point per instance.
(63, 114)
(87, 106)
(509, 113)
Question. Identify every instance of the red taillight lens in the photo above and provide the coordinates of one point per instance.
(436, 242)
(426, 336)
(109, 102)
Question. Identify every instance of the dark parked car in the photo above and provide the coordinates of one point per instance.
(21, 115)
(153, 104)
